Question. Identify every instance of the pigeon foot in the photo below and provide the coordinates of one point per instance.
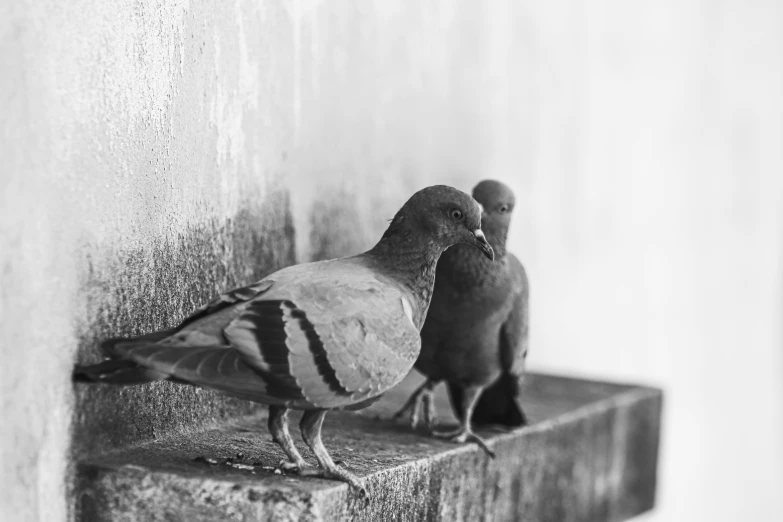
(336, 474)
(294, 467)
(420, 403)
(463, 435)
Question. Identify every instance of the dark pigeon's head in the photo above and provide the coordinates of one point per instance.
(498, 203)
(445, 216)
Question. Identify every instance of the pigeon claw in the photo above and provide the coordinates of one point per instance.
(294, 467)
(411, 406)
(364, 496)
(336, 474)
(421, 402)
(463, 435)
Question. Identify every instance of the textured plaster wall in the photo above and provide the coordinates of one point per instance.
(154, 153)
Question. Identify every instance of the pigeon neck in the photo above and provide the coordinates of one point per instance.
(496, 237)
(466, 267)
(411, 261)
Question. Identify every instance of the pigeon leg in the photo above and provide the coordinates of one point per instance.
(310, 425)
(278, 427)
(428, 406)
(421, 399)
(465, 432)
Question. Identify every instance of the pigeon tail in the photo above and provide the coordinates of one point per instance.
(498, 404)
(118, 372)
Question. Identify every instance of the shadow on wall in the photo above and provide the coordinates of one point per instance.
(133, 292)
(329, 237)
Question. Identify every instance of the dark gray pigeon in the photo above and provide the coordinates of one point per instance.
(319, 336)
(475, 337)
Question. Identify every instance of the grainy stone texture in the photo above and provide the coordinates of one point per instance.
(590, 455)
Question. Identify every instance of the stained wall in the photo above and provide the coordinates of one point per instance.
(154, 153)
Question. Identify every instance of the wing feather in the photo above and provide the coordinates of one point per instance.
(215, 367)
(514, 333)
(230, 298)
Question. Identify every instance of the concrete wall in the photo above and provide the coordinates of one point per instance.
(156, 152)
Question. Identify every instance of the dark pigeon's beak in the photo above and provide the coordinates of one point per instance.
(483, 245)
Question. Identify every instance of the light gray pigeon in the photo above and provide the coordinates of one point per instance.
(475, 337)
(319, 336)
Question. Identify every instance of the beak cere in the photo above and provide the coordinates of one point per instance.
(483, 245)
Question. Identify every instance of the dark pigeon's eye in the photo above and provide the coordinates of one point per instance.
(456, 214)
(503, 209)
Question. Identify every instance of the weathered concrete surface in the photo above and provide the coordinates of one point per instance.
(590, 455)
(154, 153)
(138, 298)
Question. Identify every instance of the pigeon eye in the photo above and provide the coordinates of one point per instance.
(503, 209)
(456, 214)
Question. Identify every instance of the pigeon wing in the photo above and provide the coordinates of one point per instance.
(341, 336)
(228, 299)
(197, 352)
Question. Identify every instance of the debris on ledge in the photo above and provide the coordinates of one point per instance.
(590, 454)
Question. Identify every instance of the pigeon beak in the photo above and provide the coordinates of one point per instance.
(483, 245)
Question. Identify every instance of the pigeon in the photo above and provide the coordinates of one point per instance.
(334, 334)
(475, 337)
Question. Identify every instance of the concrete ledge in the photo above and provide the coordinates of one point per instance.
(590, 455)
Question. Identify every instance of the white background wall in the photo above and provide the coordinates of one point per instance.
(645, 144)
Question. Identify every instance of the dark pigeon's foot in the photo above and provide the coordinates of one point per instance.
(421, 403)
(462, 435)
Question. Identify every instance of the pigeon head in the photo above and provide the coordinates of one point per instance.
(497, 201)
(443, 216)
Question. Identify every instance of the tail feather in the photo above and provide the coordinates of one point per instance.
(498, 405)
(117, 372)
(110, 346)
(216, 367)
